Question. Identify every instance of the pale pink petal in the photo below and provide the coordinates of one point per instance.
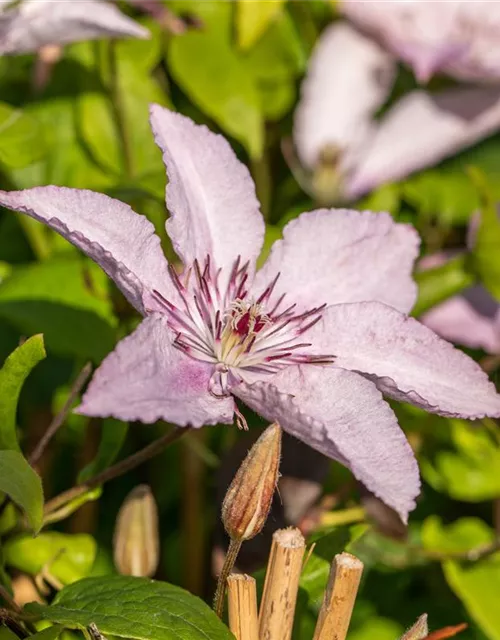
(122, 242)
(471, 318)
(408, 361)
(36, 23)
(146, 378)
(337, 255)
(424, 34)
(348, 78)
(210, 196)
(345, 417)
(422, 129)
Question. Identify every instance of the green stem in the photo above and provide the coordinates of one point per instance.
(232, 554)
(118, 469)
(119, 109)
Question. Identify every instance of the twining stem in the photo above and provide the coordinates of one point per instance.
(119, 109)
(232, 554)
(59, 419)
(148, 452)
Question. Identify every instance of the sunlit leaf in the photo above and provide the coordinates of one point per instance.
(23, 485)
(253, 18)
(12, 376)
(70, 556)
(135, 608)
(21, 137)
(461, 536)
(231, 98)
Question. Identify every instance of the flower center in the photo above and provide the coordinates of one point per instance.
(226, 327)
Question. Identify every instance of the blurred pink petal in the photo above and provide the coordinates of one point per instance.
(146, 378)
(422, 129)
(345, 417)
(122, 242)
(348, 78)
(471, 319)
(210, 195)
(457, 37)
(406, 360)
(332, 256)
(32, 24)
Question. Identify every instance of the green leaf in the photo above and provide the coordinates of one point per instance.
(253, 18)
(70, 557)
(12, 376)
(230, 98)
(50, 633)
(66, 299)
(7, 634)
(478, 585)
(23, 485)
(136, 608)
(113, 436)
(441, 283)
(461, 536)
(21, 137)
(470, 471)
(486, 250)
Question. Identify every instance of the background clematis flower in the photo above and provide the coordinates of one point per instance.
(346, 150)
(312, 340)
(32, 24)
(456, 37)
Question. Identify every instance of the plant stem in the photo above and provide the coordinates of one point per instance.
(232, 554)
(59, 419)
(118, 108)
(118, 469)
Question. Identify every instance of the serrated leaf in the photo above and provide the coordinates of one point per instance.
(113, 436)
(441, 283)
(478, 585)
(230, 98)
(135, 608)
(70, 556)
(23, 485)
(21, 137)
(253, 18)
(66, 299)
(12, 376)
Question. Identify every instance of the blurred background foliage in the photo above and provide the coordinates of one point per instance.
(238, 68)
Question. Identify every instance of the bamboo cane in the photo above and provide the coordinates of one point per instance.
(281, 585)
(242, 604)
(338, 602)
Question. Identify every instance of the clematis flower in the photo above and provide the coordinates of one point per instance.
(346, 151)
(456, 37)
(311, 340)
(32, 24)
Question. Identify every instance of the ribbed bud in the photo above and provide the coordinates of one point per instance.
(136, 546)
(248, 499)
(419, 630)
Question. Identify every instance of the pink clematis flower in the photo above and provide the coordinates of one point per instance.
(312, 339)
(341, 144)
(32, 24)
(456, 37)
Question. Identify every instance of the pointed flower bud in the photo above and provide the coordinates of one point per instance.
(136, 541)
(248, 499)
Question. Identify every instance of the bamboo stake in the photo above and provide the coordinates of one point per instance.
(242, 603)
(338, 602)
(281, 585)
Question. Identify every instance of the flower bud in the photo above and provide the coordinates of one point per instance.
(136, 541)
(248, 499)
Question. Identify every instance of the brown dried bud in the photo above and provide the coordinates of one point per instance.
(419, 629)
(136, 546)
(248, 499)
